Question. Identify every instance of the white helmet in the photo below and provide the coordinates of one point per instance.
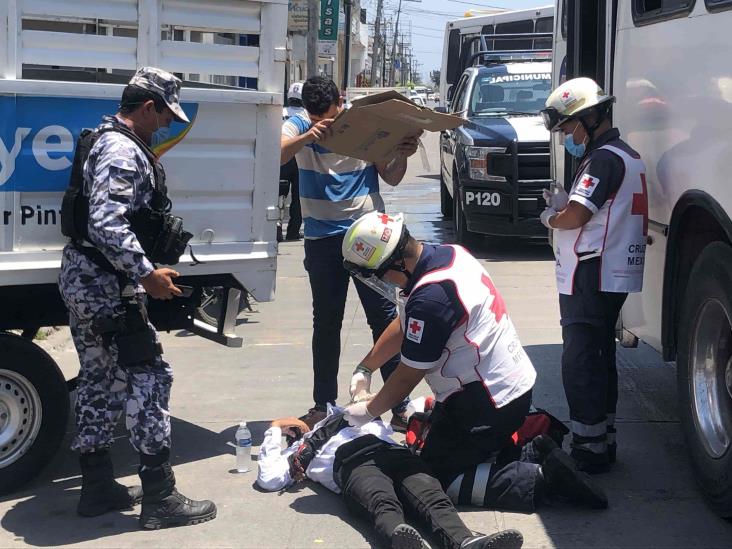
(295, 91)
(371, 247)
(371, 242)
(573, 99)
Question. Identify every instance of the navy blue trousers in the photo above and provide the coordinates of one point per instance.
(589, 372)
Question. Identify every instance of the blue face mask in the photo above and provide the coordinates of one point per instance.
(159, 136)
(576, 150)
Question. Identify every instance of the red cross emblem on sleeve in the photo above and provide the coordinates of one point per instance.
(415, 329)
(587, 182)
(640, 204)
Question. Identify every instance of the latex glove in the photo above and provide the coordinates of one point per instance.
(360, 382)
(557, 200)
(362, 396)
(357, 415)
(548, 213)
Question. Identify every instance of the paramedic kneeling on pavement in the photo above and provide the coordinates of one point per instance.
(600, 232)
(454, 331)
(334, 191)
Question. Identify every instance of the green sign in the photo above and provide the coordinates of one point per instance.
(328, 20)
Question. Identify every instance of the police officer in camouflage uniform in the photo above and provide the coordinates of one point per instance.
(119, 180)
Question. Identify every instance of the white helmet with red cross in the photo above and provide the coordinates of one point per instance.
(372, 243)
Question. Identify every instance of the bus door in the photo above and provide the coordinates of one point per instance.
(584, 44)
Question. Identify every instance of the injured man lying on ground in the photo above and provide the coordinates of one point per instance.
(384, 482)
(380, 480)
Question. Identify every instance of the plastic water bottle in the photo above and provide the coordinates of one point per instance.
(243, 448)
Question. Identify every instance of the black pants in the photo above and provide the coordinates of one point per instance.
(469, 448)
(589, 372)
(329, 284)
(290, 172)
(389, 483)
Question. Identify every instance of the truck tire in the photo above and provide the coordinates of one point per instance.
(462, 235)
(704, 371)
(34, 408)
(446, 202)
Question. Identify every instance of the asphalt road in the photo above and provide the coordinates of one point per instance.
(654, 501)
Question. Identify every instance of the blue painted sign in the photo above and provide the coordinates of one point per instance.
(38, 134)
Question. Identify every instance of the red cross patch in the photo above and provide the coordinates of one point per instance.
(415, 329)
(587, 185)
(567, 98)
(362, 249)
(385, 218)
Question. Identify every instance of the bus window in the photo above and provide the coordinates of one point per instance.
(453, 56)
(488, 29)
(718, 5)
(563, 26)
(650, 11)
(544, 24)
(514, 27)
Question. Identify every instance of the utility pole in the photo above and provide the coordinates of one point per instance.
(312, 41)
(347, 49)
(377, 47)
(392, 71)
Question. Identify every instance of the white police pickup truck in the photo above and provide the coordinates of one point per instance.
(62, 66)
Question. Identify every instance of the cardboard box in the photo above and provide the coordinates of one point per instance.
(375, 125)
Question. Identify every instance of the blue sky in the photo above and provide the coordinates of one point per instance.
(428, 19)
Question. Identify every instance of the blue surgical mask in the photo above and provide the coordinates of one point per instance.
(576, 150)
(159, 136)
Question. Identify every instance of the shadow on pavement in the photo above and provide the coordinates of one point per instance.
(45, 512)
(325, 502)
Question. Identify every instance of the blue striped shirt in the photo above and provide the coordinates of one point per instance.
(335, 190)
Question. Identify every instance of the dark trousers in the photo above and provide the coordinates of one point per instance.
(470, 450)
(329, 285)
(390, 483)
(589, 372)
(290, 172)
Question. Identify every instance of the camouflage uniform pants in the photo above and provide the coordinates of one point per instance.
(105, 390)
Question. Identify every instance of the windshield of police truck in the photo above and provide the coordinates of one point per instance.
(501, 93)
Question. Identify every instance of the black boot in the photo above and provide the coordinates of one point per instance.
(100, 493)
(164, 506)
(559, 476)
(507, 539)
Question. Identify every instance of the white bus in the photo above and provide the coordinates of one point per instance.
(668, 64)
(459, 34)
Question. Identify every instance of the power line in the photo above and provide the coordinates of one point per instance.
(475, 4)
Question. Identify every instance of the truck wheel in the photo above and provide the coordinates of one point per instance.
(446, 202)
(34, 407)
(704, 370)
(462, 235)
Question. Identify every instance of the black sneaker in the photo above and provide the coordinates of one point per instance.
(406, 537)
(563, 478)
(507, 539)
(399, 422)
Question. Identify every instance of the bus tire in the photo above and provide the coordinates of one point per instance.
(446, 200)
(704, 372)
(34, 408)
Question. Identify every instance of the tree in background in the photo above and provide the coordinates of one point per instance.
(435, 77)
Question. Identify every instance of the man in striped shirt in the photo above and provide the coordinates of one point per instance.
(335, 190)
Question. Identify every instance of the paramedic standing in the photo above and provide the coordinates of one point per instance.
(600, 230)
